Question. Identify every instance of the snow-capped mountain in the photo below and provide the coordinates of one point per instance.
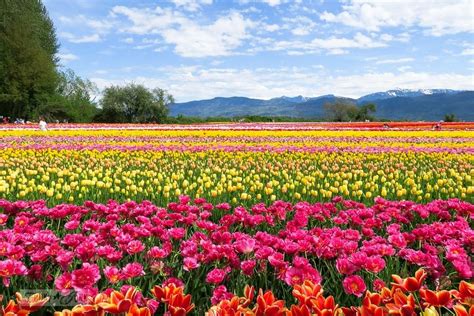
(397, 104)
(403, 93)
(297, 99)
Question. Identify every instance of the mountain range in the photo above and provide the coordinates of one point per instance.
(397, 104)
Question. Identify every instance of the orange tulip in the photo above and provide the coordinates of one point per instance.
(119, 303)
(165, 293)
(323, 306)
(350, 311)
(138, 311)
(371, 305)
(180, 304)
(461, 310)
(440, 298)
(302, 310)
(249, 293)
(410, 284)
(403, 304)
(13, 309)
(465, 294)
(225, 307)
(82, 310)
(268, 305)
(306, 291)
(32, 303)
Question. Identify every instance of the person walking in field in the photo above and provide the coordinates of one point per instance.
(43, 125)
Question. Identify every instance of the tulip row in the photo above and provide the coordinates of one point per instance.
(253, 126)
(248, 177)
(344, 245)
(407, 296)
(235, 165)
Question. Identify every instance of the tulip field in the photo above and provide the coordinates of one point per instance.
(237, 219)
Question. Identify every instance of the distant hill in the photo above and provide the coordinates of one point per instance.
(428, 107)
(396, 104)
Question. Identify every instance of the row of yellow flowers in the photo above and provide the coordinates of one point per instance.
(71, 175)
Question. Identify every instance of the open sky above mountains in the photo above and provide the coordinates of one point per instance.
(200, 49)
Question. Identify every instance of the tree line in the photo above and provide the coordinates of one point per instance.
(34, 84)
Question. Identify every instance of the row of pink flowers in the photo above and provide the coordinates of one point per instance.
(55, 139)
(251, 126)
(84, 249)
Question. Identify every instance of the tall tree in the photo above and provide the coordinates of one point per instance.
(340, 111)
(74, 99)
(28, 48)
(365, 112)
(343, 111)
(134, 104)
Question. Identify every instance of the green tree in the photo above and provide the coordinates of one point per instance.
(28, 61)
(74, 99)
(344, 111)
(364, 112)
(340, 111)
(134, 103)
(451, 118)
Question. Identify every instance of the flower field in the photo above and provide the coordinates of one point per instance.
(194, 219)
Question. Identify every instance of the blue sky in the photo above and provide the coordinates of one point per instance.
(199, 49)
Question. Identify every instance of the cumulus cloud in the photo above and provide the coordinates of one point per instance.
(300, 25)
(92, 38)
(81, 23)
(189, 38)
(217, 39)
(395, 61)
(435, 17)
(272, 3)
(196, 82)
(191, 5)
(467, 51)
(332, 45)
(67, 57)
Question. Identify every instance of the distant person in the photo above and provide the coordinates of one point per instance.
(386, 126)
(43, 125)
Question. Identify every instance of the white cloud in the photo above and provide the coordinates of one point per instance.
(148, 21)
(93, 38)
(300, 25)
(402, 37)
(332, 45)
(189, 38)
(195, 82)
(217, 39)
(404, 68)
(81, 23)
(435, 17)
(67, 57)
(431, 58)
(270, 27)
(394, 61)
(100, 26)
(468, 51)
(272, 3)
(191, 5)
